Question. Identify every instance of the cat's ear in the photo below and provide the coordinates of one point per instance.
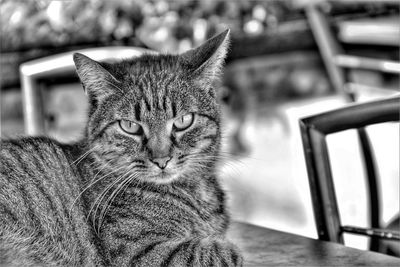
(97, 81)
(207, 59)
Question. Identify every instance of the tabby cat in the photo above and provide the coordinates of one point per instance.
(140, 189)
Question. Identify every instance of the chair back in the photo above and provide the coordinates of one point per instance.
(314, 131)
(340, 66)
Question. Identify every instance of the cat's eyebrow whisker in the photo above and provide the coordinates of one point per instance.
(113, 85)
(118, 88)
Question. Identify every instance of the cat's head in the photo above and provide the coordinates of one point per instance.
(155, 117)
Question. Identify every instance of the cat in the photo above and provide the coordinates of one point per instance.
(140, 188)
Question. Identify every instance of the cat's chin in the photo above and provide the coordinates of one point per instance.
(162, 178)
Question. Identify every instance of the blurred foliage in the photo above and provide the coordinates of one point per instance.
(159, 24)
(30, 24)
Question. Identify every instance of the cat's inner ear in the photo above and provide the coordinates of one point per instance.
(207, 59)
(96, 80)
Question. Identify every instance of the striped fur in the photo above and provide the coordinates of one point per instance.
(37, 186)
(103, 200)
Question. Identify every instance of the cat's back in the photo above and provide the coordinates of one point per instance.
(32, 157)
(41, 215)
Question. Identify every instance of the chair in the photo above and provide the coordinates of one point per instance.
(314, 131)
(379, 31)
(339, 66)
(60, 68)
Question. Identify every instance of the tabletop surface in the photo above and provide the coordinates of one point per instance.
(265, 247)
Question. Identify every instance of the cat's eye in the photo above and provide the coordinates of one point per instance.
(130, 127)
(184, 122)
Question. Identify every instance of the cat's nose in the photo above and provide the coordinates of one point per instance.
(161, 162)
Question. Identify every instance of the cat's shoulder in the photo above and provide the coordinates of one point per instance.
(27, 147)
(33, 154)
(30, 143)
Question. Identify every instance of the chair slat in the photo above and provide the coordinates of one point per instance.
(347, 61)
(372, 232)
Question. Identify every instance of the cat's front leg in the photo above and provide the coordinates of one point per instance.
(190, 252)
(217, 252)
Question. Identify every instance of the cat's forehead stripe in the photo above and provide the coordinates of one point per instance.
(137, 112)
(153, 93)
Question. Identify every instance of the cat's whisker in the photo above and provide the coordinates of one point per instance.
(115, 193)
(231, 162)
(84, 155)
(90, 185)
(124, 184)
(241, 157)
(222, 157)
(106, 203)
(206, 157)
(101, 197)
(202, 162)
(93, 181)
(93, 163)
(95, 202)
(231, 165)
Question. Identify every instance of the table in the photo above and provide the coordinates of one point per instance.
(266, 247)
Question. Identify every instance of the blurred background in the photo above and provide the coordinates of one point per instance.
(278, 70)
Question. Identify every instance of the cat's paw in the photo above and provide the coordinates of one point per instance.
(219, 253)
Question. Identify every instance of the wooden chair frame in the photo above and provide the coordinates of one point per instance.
(338, 65)
(314, 130)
